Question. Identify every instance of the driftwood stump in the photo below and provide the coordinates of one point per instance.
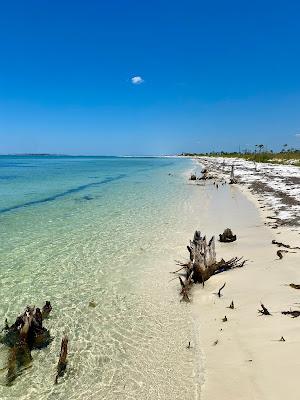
(25, 334)
(227, 236)
(203, 264)
(232, 179)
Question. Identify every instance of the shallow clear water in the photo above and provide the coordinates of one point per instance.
(76, 229)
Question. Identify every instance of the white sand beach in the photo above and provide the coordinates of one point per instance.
(244, 357)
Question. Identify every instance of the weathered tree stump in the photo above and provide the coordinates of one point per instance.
(232, 179)
(227, 236)
(203, 264)
(25, 334)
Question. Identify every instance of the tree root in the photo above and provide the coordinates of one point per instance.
(202, 264)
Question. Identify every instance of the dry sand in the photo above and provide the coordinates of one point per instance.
(249, 361)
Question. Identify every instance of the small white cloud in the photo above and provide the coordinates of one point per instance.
(297, 134)
(137, 80)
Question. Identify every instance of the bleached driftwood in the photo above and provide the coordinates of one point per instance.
(203, 264)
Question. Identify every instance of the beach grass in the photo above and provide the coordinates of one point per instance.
(290, 157)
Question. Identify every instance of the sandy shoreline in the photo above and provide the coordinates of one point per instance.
(249, 361)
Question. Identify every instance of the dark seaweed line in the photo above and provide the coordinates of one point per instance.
(62, 194)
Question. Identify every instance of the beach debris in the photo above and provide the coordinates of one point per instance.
(293, 314)
(282, 339)
(221, 288)
(215, 342)
(202, 264)
(224, 319)
(232, 179)
(264, 310)
(294, 286)
(185, 287)
(27, 333)
(189, 345)
(287, 246)
(62, 362)
(280, 253)
(193, 177)
(227, 236)
(206, 176)
(92, 304)
(231, 305)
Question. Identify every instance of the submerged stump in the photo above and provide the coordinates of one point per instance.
(62, 362)
(26, 334)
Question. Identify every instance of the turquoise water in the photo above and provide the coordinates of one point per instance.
(76, 229)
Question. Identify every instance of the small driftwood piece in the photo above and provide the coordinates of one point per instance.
(264, 310)
(203, 264)
(221, 288)
(287, 246)
(231, 305)
(293, 314)
(294, 286)
(62, 362)
(26, 334)
(227, 236)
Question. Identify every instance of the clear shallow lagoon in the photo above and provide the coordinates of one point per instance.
(76, 229)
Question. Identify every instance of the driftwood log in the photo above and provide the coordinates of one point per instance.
(203, 264)
(287, 246)
(294, 286)
(25, 334)
(293, 314)
(264, 310)
(227, 236)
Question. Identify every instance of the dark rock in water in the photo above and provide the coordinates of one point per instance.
(193, 177)
(227, 236)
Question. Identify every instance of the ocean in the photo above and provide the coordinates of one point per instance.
(107, 230)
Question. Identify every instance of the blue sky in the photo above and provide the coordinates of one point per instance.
(216, 75)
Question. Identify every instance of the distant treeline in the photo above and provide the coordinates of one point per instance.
(285, 156)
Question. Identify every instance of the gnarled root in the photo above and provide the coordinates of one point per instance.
(202, 264)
